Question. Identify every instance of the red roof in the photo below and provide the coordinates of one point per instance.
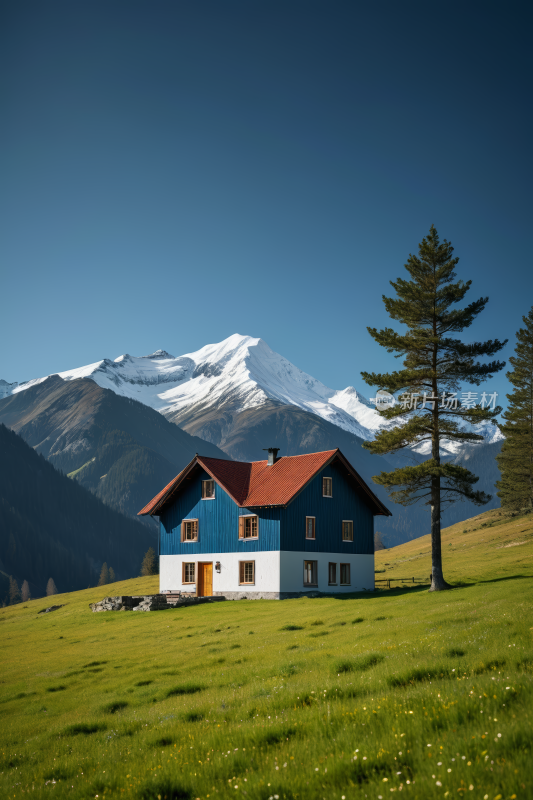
(253, 484)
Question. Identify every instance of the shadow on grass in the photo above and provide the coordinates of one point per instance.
(499, 580)
(112, 708)
(395, 592)
(362, 772)
(164, 741)
(360, 664)
(187, 688)
(440, 672)
(193, 716)
(164, 789)
(415, 676)
(400, 591)
(276, 736)
(85, 729)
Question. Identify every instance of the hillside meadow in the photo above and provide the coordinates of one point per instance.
(361, 696)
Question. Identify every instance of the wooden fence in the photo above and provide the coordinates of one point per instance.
(410, 581)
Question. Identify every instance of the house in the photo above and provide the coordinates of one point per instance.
(267, 529)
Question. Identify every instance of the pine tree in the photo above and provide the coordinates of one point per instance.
(112, 577)
(25, 591)
(14, 592)
(435, 365)
(51, 587)
(515, 489)
(104, 575)
(148, 566)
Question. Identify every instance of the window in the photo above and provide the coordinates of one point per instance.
(347, 530)
(189, 572)
(310, 573)
(327, 487)
(248, 527)
(189, 530)
(332, 573)
(208, 490)
(345, 574)
(246, 572)
(309, 527)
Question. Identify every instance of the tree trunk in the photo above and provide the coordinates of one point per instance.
(437, 578)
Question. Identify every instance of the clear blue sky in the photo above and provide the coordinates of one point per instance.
(175, 172)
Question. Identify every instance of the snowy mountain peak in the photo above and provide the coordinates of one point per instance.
(159, 354)
(239, 373)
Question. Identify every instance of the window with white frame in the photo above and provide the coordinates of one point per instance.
(189, 530)
(347, 530)
(327, 487)
(332, 573)
(246, 572)
(310, 573)
(248, 527)
(188, 572)
(208, 490)
(345, 574)
(310, 528)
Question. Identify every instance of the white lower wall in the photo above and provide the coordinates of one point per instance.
(227, 580)
(292, 571)
(274, 572)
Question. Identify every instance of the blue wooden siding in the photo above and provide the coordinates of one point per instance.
(218, 523)
(329, 512)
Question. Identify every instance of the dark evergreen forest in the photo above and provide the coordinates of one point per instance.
(50, 526)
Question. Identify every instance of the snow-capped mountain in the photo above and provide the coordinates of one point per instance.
(6, 388)
(230, 377)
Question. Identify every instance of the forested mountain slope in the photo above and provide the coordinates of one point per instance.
(50, 526)
(120, 449)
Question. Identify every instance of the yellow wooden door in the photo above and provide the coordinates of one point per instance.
(207, 580)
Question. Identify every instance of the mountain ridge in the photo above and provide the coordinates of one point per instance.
(120, 449)
(234, 375)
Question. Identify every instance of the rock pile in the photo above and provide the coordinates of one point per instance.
(149, 602)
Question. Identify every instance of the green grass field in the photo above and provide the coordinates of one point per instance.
(429, 695)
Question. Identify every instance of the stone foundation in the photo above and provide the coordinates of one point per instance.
(268, 595)
(248, 595)
(150, 602)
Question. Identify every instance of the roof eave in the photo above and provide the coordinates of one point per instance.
(197, 460)
(384, 511)
(173, 486)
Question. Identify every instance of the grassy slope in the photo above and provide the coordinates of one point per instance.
(427, 694)
(487, 547)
